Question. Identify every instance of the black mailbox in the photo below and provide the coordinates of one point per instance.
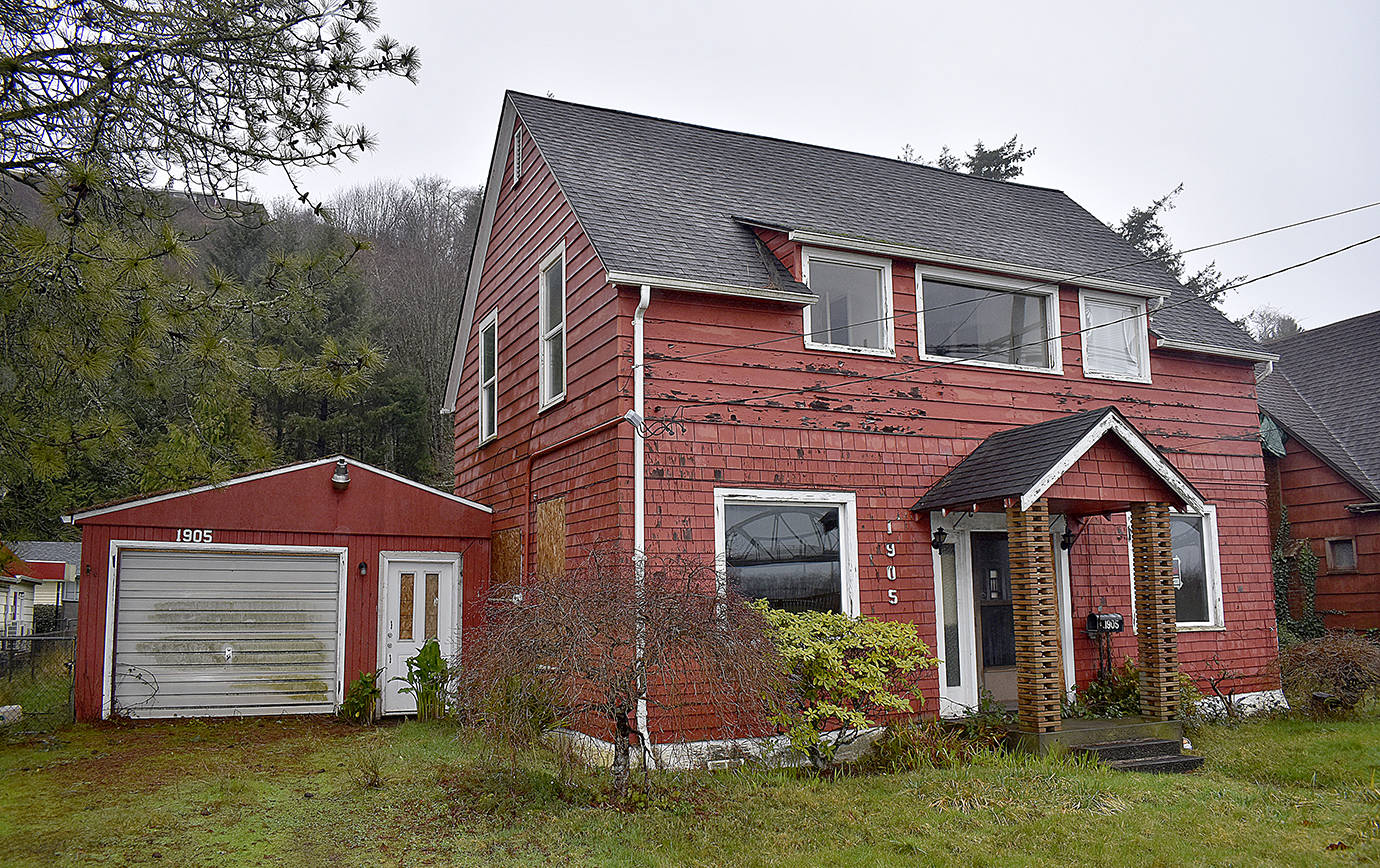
(1105, 622)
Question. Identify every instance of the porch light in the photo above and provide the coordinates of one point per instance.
(341, 478)
(938, 537)
(1066, 539)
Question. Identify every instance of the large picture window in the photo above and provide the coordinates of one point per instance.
(853, 313)
(553, 327)
(1115, 343)
(796, 550)
(979, 321)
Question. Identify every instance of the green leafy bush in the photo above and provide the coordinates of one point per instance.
(845, 673)
(1115, 693)
(427, 675)
(360, 698)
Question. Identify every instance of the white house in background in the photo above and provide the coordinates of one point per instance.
(56, 568)
(16, 604)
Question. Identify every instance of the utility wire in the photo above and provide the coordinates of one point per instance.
(958, 361)
(1071, 279)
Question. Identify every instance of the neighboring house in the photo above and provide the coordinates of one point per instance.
(1324, 394)
(16, 595)
(871, 387)
(55, 564)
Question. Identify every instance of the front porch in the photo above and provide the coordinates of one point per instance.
(1013, 492)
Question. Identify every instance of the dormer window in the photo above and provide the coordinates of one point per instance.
(1116, 345)
(853, 313)
(981, 319)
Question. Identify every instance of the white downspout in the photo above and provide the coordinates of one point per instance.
(640, 497)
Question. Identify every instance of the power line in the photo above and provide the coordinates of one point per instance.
(1071, 279)
(1046, 341)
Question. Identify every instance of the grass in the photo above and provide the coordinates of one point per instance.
(304, 791)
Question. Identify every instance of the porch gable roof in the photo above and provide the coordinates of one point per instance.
(1024, 462)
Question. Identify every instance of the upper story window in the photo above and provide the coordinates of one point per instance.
(984, 320)
(517, 156)
(488, 377)
(553, 327)
(1116, 344)
(853, 313)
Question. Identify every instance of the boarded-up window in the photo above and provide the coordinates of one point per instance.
(505, 564)
(551, 536)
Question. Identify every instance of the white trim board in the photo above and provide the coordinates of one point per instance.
(277, 471)
(1209, 350)
(111, 615)
(1044, 276)
(628, 278)
(1117, 424)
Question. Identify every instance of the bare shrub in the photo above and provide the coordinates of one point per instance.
(578, 649)
(1342, 669)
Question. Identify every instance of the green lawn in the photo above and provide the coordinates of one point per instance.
(291, 792)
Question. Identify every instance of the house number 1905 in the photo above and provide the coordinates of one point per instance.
(890, 569)
(188, 534)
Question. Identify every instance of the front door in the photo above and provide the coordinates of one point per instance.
(975, 640)
(421, 603)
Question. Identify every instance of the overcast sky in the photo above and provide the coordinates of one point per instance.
(1268, 112)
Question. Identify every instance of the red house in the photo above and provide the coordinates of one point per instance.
(863, 385)
(1324, 395)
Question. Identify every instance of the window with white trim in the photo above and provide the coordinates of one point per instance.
(797, 550)
(488, 377)
(1116, 343)
(1197, 569)
(986, 320)
(517, 156)
(553, 327)
(853, 313)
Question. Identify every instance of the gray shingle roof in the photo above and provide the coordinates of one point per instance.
(660, 198)
(1009, 463)
(1325, 390)
(42, 550)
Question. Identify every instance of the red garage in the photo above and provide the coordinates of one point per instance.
(271, 592)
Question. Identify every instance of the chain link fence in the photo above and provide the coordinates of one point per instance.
(36, 675)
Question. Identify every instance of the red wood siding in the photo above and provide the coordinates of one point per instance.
(1316, 497)
(885, 440)
(374, 514)
(553, 453)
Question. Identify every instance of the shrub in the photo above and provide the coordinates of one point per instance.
(1344, 667)
(427, 674)
(845, 673)
(909, 746)
(1114, 693)
(360, 698)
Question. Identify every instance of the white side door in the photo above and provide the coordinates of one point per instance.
(421, 601)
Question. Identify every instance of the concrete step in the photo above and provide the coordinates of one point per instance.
(1159, 764)
(1133, 748)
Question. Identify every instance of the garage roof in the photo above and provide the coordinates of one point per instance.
(146, 500)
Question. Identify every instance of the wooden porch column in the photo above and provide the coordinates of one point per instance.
(1036, 619)
(1157, 637)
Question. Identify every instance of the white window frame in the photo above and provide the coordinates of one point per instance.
(517, 156)
(1212, 556)
(1004, 284)
(1143, 333)
(847, 503)
(888, 348)
(490, 321)
(545, 330)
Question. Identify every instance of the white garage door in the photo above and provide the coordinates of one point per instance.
(201, 633)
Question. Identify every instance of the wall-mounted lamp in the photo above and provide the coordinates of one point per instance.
(363, 568)
(1068, 537)
(341, 478)
(937, 538)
